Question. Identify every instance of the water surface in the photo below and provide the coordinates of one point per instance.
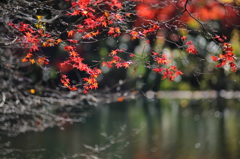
(139, 129)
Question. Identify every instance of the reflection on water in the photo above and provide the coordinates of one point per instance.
(139, 129)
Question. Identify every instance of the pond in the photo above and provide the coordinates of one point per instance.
(139, 129)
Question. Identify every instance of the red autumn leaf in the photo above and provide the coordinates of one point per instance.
(88, 36)
(184, 38)
(233, 66)
(88, 21)
(174, 68)
(155, 53)
(68, 48)
(131, 55)
(178, 73)
(34, 48)
(214, 58)
(189, 43)
(74, 88)
(75, 13)
(28, 34)
(111, 31)
(191, 49)
(158, 70)
(223, 63)
(93, 86)
(117, 30)
(134, 34)
(125, 64)
(118, 65)
(117, 58)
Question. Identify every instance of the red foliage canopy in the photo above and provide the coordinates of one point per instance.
(141, 19)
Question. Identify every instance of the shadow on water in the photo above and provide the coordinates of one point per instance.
(139, 129)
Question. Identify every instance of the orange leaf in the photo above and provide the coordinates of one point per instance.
(32, 61)
(120, 99)
(45, 44)
(58, 41)
(117, 29)
(114, 52)
(24, 60)
(95, 33)
(106, 14)
(184, 38)
(28, 34)
(32, 91)
(29, 55)
(70, 33)
(73, 53)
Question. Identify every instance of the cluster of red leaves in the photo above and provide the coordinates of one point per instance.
(114, 31)
(86, 7)
(40, 60)
(107, 19)
(142, 33)
(220, 39)
(116, 60)
(227, 57)
(51, 42)
(171, 72)
(191, 49)
(28, 57)
(66, 83)
(32, 38)
(76, 62)
(98, 15)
